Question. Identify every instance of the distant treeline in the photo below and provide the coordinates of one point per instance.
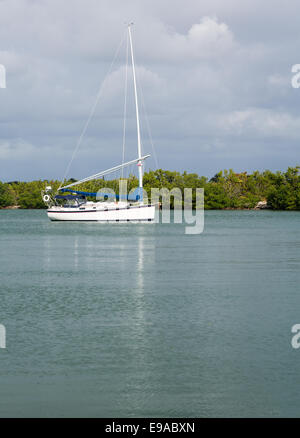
(225, 190)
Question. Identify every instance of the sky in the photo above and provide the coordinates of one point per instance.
(214, 83)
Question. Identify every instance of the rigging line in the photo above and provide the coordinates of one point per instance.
(105, 172)
(92, 112)
(147, 123)
(125, 107)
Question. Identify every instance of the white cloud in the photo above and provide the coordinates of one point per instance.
(15, 148)
(206, 39)
(209, 37)
(258, 123)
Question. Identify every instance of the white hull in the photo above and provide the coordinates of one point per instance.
(88, 213)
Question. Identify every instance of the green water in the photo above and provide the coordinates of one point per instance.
(142, 320)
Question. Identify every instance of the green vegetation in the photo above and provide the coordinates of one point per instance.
(226, 190)
(7, 195)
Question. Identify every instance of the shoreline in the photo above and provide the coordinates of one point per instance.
(172, 209)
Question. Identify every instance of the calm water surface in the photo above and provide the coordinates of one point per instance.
(143, 320)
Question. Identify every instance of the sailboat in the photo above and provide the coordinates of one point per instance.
(123, 208)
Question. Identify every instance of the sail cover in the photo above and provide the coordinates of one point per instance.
(135, 196)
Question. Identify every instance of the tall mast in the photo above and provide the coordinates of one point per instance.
(137, 114)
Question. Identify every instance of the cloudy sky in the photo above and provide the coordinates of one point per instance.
(215, 77)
